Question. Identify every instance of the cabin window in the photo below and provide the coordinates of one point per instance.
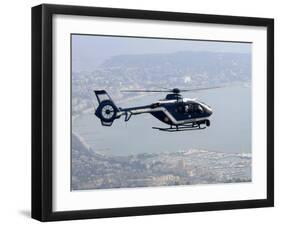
(193, 108)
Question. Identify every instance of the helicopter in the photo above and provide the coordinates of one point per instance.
(178, 112)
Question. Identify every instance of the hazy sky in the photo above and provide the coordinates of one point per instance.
(88, 51)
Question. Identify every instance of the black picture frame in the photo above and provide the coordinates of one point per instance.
(42, 106)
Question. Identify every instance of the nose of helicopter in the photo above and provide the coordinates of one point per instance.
(210, 112)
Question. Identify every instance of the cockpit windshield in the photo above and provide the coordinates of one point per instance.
(193, 108)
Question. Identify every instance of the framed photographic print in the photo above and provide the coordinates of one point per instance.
(145, 112)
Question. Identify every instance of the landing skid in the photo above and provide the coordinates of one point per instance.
(180, 128)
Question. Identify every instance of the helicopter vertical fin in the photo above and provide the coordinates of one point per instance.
(102, 95)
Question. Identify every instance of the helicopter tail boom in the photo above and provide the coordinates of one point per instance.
(108, 111)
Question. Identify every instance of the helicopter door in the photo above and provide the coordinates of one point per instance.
(180, 108)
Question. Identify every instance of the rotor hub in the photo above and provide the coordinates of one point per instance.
(176, 90)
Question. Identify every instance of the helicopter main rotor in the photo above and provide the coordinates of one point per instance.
(174, 90)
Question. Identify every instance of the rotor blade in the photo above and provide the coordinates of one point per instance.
(199, 89)
(145, 91)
